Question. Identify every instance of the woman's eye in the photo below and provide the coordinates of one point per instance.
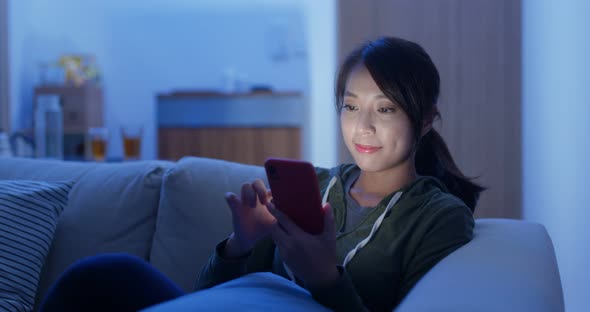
(348, 107)
(387, 110)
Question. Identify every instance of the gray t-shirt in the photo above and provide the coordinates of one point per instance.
(355, 213)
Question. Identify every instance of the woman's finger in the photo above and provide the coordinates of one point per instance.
(261, 191)
(232, 200)
(329, 223)
(284, 220)
(248, 195)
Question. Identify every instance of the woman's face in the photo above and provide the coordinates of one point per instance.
(377, 132)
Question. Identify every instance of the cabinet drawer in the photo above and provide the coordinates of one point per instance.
(243, 145)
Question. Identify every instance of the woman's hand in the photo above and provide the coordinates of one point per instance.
(312, 258)
(250, 217)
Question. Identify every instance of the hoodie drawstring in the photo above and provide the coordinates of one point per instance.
(376, 226)
(365, 241)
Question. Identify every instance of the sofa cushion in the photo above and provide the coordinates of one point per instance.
(29, 211)
(112, 208)
(509, 265)
(194, 216)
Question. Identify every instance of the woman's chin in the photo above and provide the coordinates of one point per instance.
(368, 164)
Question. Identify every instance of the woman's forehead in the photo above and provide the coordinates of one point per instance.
(361, 83)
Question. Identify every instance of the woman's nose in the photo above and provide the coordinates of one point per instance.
(365, 123)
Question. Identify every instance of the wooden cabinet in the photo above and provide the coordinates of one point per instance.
(246, 128)
(82, 108)
(245, 145)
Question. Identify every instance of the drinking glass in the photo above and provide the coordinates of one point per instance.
(132, 141)
(99, 138)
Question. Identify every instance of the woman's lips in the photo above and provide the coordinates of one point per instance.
(366, 148)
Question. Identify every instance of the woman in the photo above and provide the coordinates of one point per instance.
(402, 207)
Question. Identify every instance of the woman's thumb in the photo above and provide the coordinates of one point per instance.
(329, 222)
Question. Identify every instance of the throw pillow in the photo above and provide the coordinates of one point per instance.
(29, 211)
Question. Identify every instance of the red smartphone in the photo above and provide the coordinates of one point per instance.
(295, 191)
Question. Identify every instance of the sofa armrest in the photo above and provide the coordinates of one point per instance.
(509, 265)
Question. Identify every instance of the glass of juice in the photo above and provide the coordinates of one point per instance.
(99, 138)
(132, 135)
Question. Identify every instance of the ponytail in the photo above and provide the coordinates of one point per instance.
(434, 159)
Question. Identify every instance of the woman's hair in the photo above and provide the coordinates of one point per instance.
(407, 76)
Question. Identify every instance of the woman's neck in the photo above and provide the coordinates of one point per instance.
(382, 183)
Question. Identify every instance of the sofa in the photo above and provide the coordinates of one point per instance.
(172, 214)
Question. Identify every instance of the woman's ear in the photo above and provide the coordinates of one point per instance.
(428, 121)
(426, 126)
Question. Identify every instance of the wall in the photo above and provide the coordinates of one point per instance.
(322, 131)
(556, 46)
(146, 47)
(4, 81)
(476, 48)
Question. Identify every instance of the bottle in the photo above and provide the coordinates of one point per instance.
(48, 127)
(5, 149)
(22, 145)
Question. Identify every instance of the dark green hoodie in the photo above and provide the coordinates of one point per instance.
(425, 225)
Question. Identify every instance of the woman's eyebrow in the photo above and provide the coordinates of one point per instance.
(378, 96)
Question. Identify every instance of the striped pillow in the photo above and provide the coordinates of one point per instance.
(29, 211)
